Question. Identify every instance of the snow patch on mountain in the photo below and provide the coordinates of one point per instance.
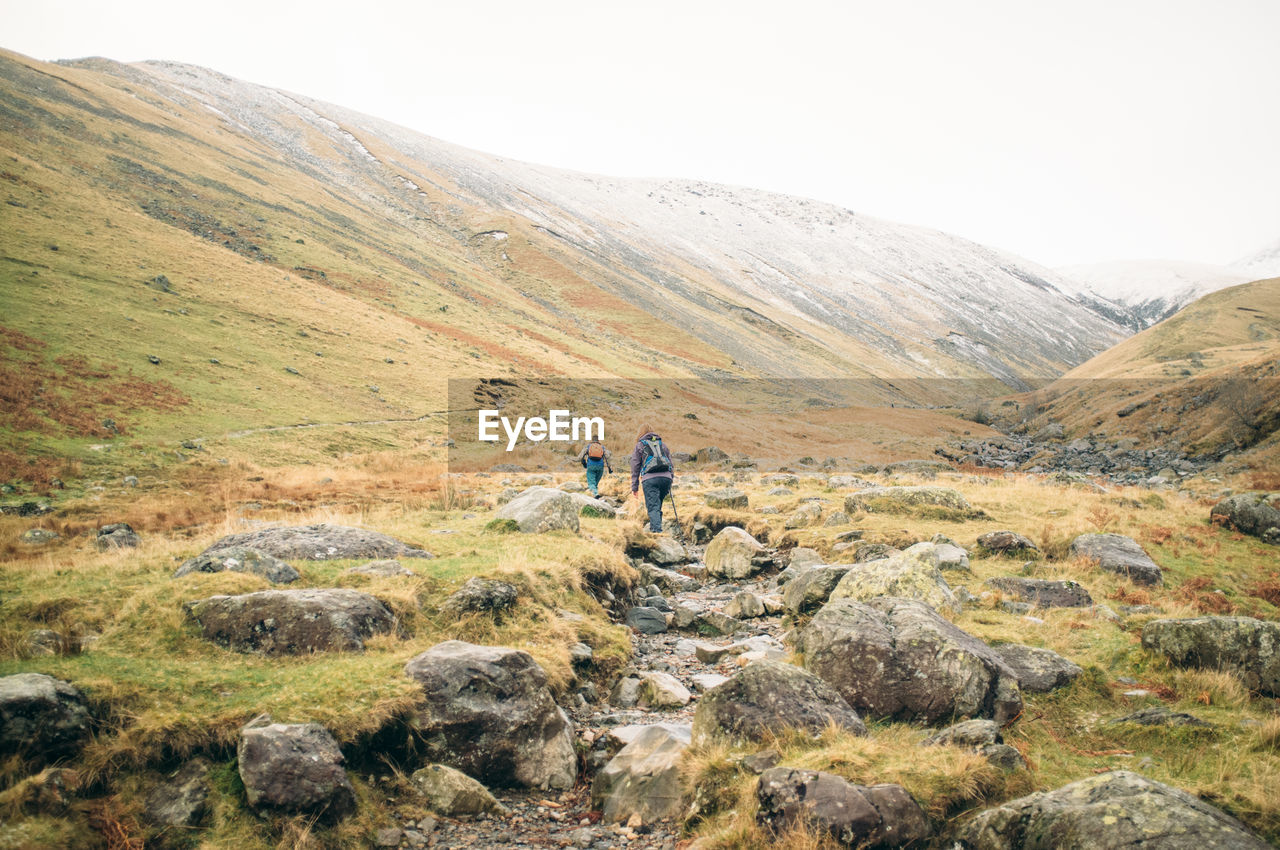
(1262, 264)
(1140, 293)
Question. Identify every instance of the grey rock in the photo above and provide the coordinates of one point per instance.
(1043, 592)
(481, 595)
(292, 622)
(899, 658)
(320, 542)
(1116, 553)
(182, 800)
(542, 509)
(709, 454)
(294, 769)
(873, 552)
(726, 498)
(944, 556)
(646, 620)
(1008, 544)
(643, 779)
(1162, 716)
(804, 516)
(903, 575)
(1039, 670)
(837, 518)
(660, 690)
(1113, 811)
(802, 557)
(487, 711)
(1255, 514)
(853, 815)
(766, 697)
(1247, 647)
(451, 793)
(42, 719)
(731, 554)
(969, 733)
(715, 623)
(117, 535)
(810, 590)
(666, 551)
(242, 560)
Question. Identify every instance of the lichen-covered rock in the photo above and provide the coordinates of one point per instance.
(117, 535)
(292, 622)
(767, 697)
(804, 516)
(643, 779)
(1118, 554)
(982, 737)
(451, 793)
(294, 769)
(1008, 544)
(320, 542)
(240, 559)
(899, 658)
(730, 554)
(726, 498)
(541, 509)
(43, 719)
(1044, 592)
(182, 800)
(659, 690)
(487, 711)
(854, 815)
(481, 595)
(902, 575)
(904, 499)
(810, 590)
(1257, 514)
(1247, 647)
(944, 556)
(1113, 811)
(1039, 670)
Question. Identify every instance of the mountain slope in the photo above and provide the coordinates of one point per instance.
(289, 261)
(1262, 263)
(1140, 293)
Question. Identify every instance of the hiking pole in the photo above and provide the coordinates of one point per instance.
(676, 517)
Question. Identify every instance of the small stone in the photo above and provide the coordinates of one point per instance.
(635, 821)
(388, 837)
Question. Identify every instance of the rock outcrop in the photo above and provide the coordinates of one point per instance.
(541, 509)
(320, 542)
(1247, 647)
(42, 719)
(766, 697)
(1118, 554)
(294, 769)
(487, 711)
(854, 815)
(1256, 514)
(240, 559)
(1039, 670)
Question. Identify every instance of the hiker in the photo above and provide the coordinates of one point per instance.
(652, 469)
(594, 458)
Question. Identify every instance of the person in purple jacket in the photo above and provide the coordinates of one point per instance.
(652, 470)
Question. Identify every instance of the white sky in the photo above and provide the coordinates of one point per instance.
(1068, 131)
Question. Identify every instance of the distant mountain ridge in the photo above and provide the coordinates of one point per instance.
(1140, 293)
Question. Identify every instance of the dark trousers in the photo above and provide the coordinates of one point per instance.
(655, 490)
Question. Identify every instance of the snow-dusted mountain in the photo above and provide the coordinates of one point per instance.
(1262, 264)
(1140, 293)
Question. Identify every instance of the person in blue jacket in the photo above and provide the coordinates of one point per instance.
(594, 458)
(652, 471)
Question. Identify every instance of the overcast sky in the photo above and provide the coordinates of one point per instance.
(1068, 131)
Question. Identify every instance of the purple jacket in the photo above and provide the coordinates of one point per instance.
(638, 456)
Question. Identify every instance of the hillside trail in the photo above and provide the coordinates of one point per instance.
(550, 819)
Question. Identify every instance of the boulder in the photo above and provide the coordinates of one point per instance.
(804, 516)
(944, 556)
(540, 509)
(240, 559)
(321, 542)
(747, 606)
(900, 575)
(666, 551)
(1256, 514)
(38, 536)
(717, 623)
(292, 622)
(1112, 811)
(906, 499)
(451, 793)
(643, 779)
(730, 554)
(917, 467)
(1247, 647)
(592, 507)
(42, 719)
(182, 800)
(481, 596)
(810, 590)
(802, 557)
(727, 498)
(849, 481)
(647, 620)
(899, 658)
(488, 712)
(853, 815)
(872, 552)
(709, 454)
(660, 690)
(668, 580)
(294, 769)
(1007, 544)
(712, 654)
(766, 697)
(117, 535)
(780, 479)
(1043, 592)
(1116, 553)
(385, 568)
(982, 737)
(1039, 670)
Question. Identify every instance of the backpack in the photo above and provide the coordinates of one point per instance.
(595, 450)
(659, 459)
